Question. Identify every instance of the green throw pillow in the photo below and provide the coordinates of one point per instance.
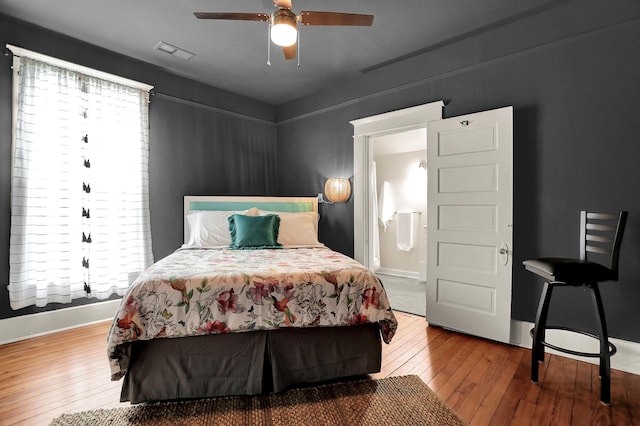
(254, 232)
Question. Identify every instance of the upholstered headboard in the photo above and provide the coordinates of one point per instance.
(228, 203)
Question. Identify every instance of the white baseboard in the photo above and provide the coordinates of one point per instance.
(626, 359)
(27, 326)
(398, 273)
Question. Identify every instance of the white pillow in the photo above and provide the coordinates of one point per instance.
(207, 229)
(297, 229)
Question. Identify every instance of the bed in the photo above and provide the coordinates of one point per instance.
(251, 303)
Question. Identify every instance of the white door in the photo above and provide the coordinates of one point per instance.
(470, 223)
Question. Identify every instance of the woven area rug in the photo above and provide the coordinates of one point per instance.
(403, 401)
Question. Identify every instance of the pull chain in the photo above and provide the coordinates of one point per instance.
(298, 48)
(269, 45)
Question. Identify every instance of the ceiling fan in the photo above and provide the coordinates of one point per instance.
(283, 23)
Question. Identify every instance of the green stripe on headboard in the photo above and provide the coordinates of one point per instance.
(244, 205)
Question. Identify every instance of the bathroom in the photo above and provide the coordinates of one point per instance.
(400, 255)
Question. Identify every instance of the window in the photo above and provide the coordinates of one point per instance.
(79, 201)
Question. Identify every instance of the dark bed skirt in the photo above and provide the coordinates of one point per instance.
(248, 363)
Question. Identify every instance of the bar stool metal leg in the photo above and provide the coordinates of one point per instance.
(605, 354)
(538, 332)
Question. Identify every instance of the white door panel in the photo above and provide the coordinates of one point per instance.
(469, 219)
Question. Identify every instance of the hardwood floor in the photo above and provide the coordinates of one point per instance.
(487, 383)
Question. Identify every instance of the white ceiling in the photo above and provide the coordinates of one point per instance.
(233, 54)
(396, 143)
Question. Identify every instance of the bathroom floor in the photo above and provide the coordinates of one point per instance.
(405, 294)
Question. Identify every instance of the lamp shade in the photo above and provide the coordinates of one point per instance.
(284, 30)
(337, 190)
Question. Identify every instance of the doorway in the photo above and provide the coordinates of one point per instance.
(365, 129)
(399, 248)
(469, 212)
(365, 191)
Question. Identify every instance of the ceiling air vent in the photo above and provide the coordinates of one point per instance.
(175, 51)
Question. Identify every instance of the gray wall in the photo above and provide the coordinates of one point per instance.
(196, 146)
(572, 75)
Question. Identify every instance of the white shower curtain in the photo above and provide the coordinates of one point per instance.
(375, 238)
(385, 205)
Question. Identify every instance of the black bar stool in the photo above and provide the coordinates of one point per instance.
(600, 237)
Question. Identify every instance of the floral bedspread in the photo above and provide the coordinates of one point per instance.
(204, 291)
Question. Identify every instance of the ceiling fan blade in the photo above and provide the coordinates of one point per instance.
(282, 4)
(289, 51)
(335, 18)
(232, 16)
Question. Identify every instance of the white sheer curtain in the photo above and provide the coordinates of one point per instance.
(80, 207)
(375, 237)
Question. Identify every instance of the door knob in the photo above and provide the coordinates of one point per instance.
(504, 253)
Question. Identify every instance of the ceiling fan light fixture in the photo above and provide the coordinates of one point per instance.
(284, 28)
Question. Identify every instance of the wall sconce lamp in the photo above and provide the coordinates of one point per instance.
(337, 190)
